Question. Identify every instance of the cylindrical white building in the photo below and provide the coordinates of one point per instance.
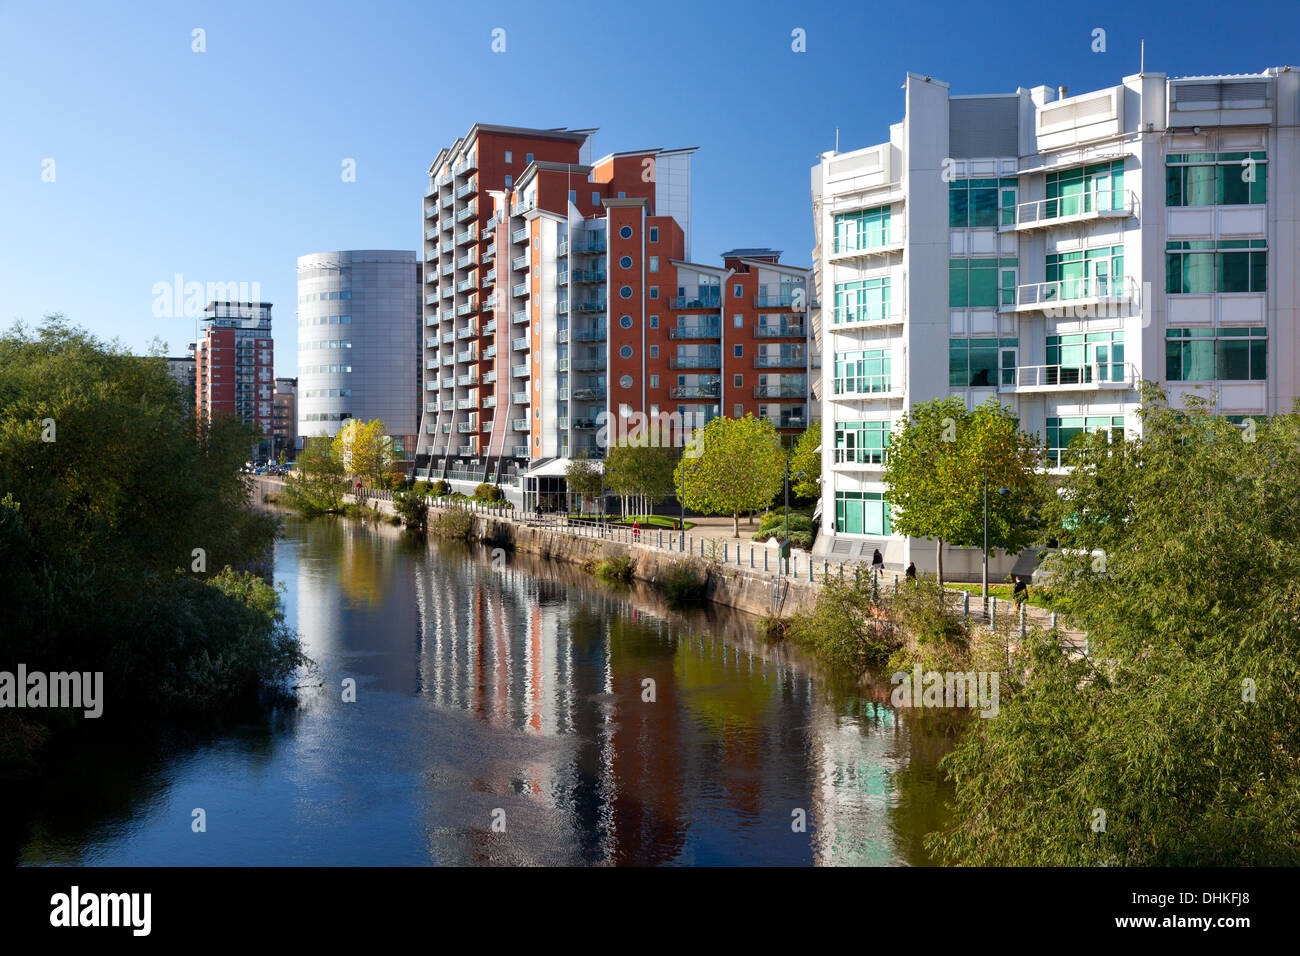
(359, 343)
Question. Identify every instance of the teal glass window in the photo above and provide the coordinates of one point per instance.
(864, 301)
(1216, 179)
(862, 512)
(1224, 354)
(867, 229)
(861, 443)
(1062, 431)
(1203, 266)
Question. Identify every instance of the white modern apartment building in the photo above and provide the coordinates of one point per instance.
(1146, 231)
(358, 343)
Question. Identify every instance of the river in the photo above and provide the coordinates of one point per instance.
(507, 710)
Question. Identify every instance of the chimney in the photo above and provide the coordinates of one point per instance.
(1060, 92)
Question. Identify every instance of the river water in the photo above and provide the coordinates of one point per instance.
(503, 715)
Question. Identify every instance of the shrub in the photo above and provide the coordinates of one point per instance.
(682, 582)
(487, 493)
(845, 627)
(454, 523)
(439, 489)
(413, 508)
(617, 567)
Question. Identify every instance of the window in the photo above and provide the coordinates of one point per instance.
(737, 381)
(867, 229)
(625, 352)
(509, 157)
(625, 292)
(976, 283)
(1227, 354)
(528, 157)
(863, 371)
(654, 233)
(1216, 179)
(654, 380)
(863, 301)
(1080, 358)
(738, 321)
(1204, 266)
(738, 291)
(595, 201)
(861, 443)
(654, 263)
(654, 351)
(625, 381)
(981, 202)
(573, 196)
(1061, 431)
(654, 292)
(625, 262)
(1085, 189)
(738, 410)
(509, 181)
(654, 321)
(974, 363)
(862, 512)
(625, 321)
(1085, 274)
(738, 351)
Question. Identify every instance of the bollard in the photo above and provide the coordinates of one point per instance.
(1053, 620)
(824, 573)
(965, 609)
(725, 545)
(993, 612)
(841, 574)
(1022, 621)
(810, 567)
(895, 583)
(751, 557)
(765, 559)
(661, 539)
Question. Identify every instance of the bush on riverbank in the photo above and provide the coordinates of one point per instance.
(617, 568)
(453, 524)
(846, 627)
(682, 582)
(110, 563)
(412, 507)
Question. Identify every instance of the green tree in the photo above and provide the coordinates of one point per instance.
(1179, 558)
(732, 465)
(583, 478)
(806, 457)
(935, 476)
(319, 483)
(641, 472)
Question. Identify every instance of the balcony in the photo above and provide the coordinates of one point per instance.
(562, 248)
(447, 270)
(787, 421)
(448, 200)
(519, 263)
(520, 290)
(781, 361)
(490, 352)
(588, 394)
(695, 302)
(431, 299)
(466, 285)
(466, 428)
(1083, 207)
(589, 364)
(517, 345)
(490, 252)
(446, 428)
(489, 402)
(862, 457)
(855, 247)
(562, 423)
(464, 238)
(562, 307)
(448, 383)
(519, 371)
(696, 391)
(520, 424)
(864, 316)
(432, 233)
(519, 317)
(588, 246)
(696, 361)
(431, 211)
(598, 305)
(590, 275)
(489, 280)
(469, 378)
(782, 300)
(584, 423)
(466, 356)
(561, 335)
(867, 387)
(598, 334)
(695, 332)
(467, 164)
(519, 236)
(1099, 376)
(1087, 297)
(784, 331)
(465, 403)
(469, 212)
(448, 336)
(467, 308)
(466, 451)
(561, 364)
(562, 278)
(465, 190)
(489, 377)
(467, 331)
(465, 261)
(492, 324)
(490, 302)
(430, 406)
(431, 386)
(431, 363)
(780, 391)
(519, 398)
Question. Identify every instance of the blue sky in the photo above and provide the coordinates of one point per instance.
(225, 165)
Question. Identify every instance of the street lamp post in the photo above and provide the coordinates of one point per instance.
(1002, 491)
(798, 474)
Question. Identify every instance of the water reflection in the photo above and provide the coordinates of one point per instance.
(518, 712)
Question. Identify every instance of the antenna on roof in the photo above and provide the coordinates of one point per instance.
(1142, 62)
(837, 139)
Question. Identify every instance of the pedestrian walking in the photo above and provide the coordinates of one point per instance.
(636, 531)
(911, 572)
(1021, 591)
(877, 562)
